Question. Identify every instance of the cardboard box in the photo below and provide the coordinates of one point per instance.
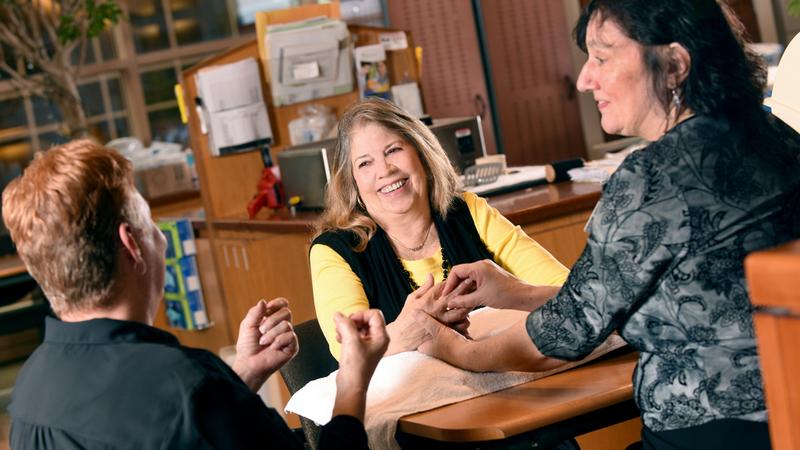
(169, 177)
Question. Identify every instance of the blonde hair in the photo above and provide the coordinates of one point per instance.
(63, 214)
(342, 211)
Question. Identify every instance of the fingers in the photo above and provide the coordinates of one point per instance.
(270, 321)
(468, 301)
(440, 308)
(426, 286)
(454, 315)
(269, 338)
(345, 328)
(454, 279)
(253, 317)
(287, 343)
(461, 272)
(370, 323)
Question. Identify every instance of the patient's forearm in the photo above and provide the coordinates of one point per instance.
(511, 350)
(403, 336)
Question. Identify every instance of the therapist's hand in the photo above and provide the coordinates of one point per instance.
(364, 341)
(494, 287)
(266, 342)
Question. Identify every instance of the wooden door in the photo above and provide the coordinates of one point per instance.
(453, 80)
(529, 45)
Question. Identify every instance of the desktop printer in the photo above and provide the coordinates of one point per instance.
(305, 169)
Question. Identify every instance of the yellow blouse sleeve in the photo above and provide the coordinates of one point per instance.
(336, 288)
(514, 250)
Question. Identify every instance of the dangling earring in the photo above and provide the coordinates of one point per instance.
(676, 101)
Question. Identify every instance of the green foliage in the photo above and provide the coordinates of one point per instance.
(794, 7)
(94, 16)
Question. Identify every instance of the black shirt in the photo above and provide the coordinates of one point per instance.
(105, 383)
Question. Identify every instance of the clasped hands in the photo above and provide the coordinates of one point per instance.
(448, 304)
(267, 341)
(434, 313)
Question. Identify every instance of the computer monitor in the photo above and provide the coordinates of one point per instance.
(462, 140)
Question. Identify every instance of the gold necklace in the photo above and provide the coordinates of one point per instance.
(417, 248)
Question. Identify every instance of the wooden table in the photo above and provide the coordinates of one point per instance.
(550, 409)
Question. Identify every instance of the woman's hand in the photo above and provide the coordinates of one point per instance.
(364, 341)
(406, 332)
(266, 342)
(494, 287)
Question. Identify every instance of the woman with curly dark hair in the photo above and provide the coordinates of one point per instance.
(663, 265)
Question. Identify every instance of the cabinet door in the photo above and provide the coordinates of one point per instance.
(269, 267)
(453, 80)
(562, 236)
(529, 46)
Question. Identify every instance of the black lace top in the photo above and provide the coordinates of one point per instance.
(664, 267)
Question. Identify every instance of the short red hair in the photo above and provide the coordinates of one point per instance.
(63, 214)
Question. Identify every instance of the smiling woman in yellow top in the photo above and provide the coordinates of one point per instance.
(394, 215)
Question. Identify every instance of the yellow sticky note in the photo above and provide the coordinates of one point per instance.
(181, 103)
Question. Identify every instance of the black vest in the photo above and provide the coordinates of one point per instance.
(379, 268)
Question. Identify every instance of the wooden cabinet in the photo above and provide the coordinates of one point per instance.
(265, 265)
(562, 236)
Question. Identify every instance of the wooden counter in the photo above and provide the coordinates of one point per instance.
(531, 205)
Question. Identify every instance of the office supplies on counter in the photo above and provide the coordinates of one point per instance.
(482, 174)
(514, 179)
(233, 107)
(557, 171)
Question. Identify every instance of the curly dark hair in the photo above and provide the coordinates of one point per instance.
(725, 77)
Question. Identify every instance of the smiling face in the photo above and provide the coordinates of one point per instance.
(388, 173)
(616, 74)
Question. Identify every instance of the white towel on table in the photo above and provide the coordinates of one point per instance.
(411, 382)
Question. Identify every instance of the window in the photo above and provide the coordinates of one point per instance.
(129, 74)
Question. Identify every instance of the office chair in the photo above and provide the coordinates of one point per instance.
(313, 361)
